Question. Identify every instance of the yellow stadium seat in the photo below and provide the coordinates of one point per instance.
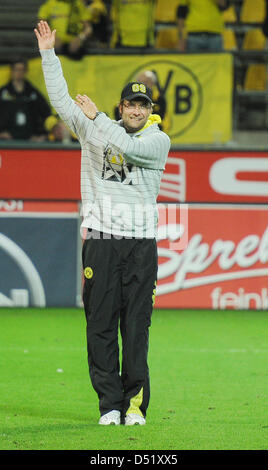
(164, 13)
(256, 78)
(229, 15)
(166, 38)
(254, 40)
(252, 11)
(229, 40)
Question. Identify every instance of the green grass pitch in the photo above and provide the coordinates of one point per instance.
(209, 382)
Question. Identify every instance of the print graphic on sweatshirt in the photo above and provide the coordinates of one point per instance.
(115, 168)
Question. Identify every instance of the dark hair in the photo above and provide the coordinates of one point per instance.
(19, 60)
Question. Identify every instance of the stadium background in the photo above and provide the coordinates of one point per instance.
(216, 184)
(212, 168)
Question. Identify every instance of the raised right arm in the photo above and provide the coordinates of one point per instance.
(56, 84)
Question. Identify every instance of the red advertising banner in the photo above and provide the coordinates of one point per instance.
(190, 176)
(28, 207)
(213, 257)
(215, 176)
(40, 174)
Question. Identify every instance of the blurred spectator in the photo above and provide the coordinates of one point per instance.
(200, 25)
(23, 108)
(133, 23)
(265, 22)
(72, 20)
(265, 32)
(58, 131)
(166, 36)
(100, 23)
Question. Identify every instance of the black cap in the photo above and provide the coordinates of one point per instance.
(136, 89)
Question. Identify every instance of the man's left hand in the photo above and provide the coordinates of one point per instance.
(87, 106)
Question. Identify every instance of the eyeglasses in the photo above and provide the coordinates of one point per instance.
(141, 106)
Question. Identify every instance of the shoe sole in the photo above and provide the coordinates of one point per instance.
(109, 424)
(135, 424)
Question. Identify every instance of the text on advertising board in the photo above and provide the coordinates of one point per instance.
(224, 252)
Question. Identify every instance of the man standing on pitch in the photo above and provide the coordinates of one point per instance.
(121, 167)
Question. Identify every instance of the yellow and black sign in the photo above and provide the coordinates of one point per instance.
(197, 89)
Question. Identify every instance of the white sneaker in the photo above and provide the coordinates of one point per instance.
(132, 419)
(113, 417)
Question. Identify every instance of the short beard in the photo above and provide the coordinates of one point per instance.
(131, 130)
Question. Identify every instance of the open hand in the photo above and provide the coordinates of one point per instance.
(46, 37)
(86, 104)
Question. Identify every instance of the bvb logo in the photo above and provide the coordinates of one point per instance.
(181, 89)
(88, 272)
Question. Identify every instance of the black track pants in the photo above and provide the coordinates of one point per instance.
(120, 277)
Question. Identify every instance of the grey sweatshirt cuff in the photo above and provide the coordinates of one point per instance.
(101, 119)
(47, 54)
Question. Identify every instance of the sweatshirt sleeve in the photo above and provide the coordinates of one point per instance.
(148, 151)
(59, 96)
